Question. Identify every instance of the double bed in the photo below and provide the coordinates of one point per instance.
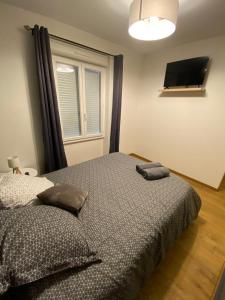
(130, 221)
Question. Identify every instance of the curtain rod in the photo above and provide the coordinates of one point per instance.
(58, 38)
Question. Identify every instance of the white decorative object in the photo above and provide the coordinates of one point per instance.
(19, 190)
(153, 19)
(14, 163)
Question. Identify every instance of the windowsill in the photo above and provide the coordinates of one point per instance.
(91, 138)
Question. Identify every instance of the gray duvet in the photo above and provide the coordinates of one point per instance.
(129, 220)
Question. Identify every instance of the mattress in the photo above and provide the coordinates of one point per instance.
(130, 221)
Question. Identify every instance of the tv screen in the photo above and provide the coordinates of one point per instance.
(188, 72)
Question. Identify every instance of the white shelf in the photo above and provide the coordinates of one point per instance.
(172, 90)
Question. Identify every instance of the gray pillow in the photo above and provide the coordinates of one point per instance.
(37, 241)
(65, 196)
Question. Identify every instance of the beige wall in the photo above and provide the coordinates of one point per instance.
(20, 131)
(186, 133)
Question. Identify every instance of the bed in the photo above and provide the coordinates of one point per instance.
(129, 220)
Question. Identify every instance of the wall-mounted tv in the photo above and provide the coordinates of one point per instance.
(188, 72)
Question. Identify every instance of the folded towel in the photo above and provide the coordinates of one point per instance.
(155, 173)
(140, 168)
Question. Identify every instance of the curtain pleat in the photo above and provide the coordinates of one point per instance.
(117, 101)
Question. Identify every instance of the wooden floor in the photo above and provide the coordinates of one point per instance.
(192, 267)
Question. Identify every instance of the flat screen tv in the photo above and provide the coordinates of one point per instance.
(188, 72)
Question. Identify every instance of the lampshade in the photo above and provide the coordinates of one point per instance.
(14, 162)
(153, 19)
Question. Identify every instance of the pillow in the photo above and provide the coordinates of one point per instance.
(2, 175)
(19, 190)
(37, 241)
(65, 196)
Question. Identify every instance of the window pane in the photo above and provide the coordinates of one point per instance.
(69, 104)
(93, 102)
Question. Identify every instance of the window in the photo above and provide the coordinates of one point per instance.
(92, 97)
(80, 89)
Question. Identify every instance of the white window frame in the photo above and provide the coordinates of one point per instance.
(82, 66)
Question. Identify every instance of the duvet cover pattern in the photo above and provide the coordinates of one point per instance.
(129, 220)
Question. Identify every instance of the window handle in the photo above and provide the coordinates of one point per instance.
(85, 117)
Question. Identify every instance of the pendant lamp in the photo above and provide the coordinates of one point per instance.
(151, 20)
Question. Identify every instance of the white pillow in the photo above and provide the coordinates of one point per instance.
(19, 190)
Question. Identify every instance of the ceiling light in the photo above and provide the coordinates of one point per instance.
(153, 19)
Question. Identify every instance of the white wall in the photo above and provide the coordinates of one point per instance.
(185, 132)
(20, 131)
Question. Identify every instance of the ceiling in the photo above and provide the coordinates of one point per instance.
(108, 19)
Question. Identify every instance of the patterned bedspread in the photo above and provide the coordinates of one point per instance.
(131, 222)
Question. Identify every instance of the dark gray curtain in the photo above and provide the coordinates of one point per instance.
(117, 100)
(55, 157)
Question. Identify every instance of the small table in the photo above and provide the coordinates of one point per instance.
(25, 171)
(29, 171)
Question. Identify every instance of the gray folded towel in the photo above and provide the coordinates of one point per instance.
(140, 168)
(155, 173)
